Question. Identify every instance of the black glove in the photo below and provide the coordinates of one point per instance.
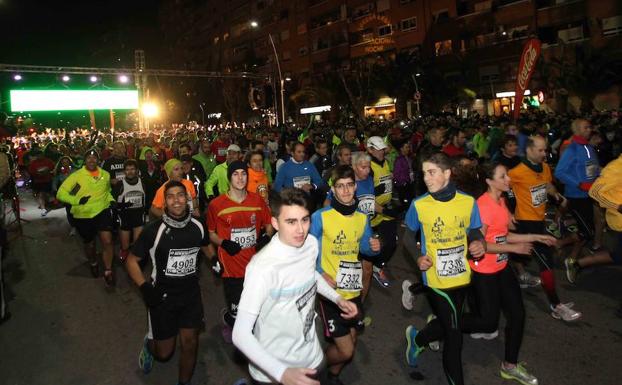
(380, 189)
(152, 296)
(391, 212)
(216, 266)
(232, 248)
(123, 205)
(262, 241)
(83, 200)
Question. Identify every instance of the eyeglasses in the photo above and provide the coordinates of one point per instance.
(342, 186)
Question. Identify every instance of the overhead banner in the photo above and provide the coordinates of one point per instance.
(73, 100)
(527, 64)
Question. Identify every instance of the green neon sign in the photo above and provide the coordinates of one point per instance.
(72, 100)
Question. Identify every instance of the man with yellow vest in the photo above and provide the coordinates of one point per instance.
(607, 191)
(383, 222)
(88, 192)
(342, 231)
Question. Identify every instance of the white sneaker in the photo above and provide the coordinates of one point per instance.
(564, 312)
(408, 299)
(486, 336)
(526, 280)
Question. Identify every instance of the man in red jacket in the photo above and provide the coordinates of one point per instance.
(41, 172)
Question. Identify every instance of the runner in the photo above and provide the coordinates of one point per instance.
(275, 326)
(116, 163)
(298, 173)
(494, 284)
(342, 231)
(130, 202)
(235, 221)
(88, 192)
(174, 170)
(258, 181)
(531, 183)
(41, 171)
(173, 296)
(383, 222)
(449, 223)
(607, 191)
(218, 179)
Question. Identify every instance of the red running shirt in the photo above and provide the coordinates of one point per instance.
(496, 217)
(241, 223)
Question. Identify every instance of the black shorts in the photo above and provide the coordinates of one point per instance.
(582, 210)
(41, 187)
(131, 219)
(89, 227)
(233, 292)
(178, 311)
(334, 324)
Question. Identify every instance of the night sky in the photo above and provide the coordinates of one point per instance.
(79, 33)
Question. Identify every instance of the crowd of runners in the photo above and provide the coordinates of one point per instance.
(284, 213)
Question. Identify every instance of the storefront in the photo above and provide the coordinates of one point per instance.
(384, 108)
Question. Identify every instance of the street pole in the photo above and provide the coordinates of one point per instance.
(202, 114)
(417, 91)
(278, 66)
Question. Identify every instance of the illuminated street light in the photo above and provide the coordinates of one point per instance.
(93, 79)
(417, 74)
(17, 77)
(123, 79)
(66, 78)
(288, 79)
(150, 110)
(254, 24)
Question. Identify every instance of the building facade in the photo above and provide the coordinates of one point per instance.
(476, 43)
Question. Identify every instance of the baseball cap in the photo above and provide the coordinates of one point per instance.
(376, 142)
(234, 147)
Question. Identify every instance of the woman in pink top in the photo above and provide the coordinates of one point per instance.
(494, 284)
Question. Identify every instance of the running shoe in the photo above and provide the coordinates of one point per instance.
(145, 358)
(572, 269)
(382, 278)
(518, 373)
(412, 350)
(565, 313)
(109, 278)
(408, 299)
(526, 280)
(485, 336)
(44, 212)
(434, 346)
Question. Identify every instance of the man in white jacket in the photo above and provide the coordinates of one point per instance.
(275, 325)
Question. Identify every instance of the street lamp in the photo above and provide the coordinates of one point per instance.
(123, 79)
(255, 24)
(66, 78)
(17, 77)
(93, 79)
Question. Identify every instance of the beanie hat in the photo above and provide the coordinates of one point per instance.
(170, 164)
(235, 165)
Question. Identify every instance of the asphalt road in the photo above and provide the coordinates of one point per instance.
(68, 329)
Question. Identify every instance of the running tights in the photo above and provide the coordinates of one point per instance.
(493, 293)
(447, 306)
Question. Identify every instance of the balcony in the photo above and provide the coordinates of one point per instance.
(560, 13)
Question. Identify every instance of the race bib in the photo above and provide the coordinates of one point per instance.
(591, 170)
(538, 195)
(120, 175)
(450, 262)
(181, 262)
(388, 183)
(501, 257)
(300, 181)
(349, 276)
(246, 237)
(367, 204)
(135, 200)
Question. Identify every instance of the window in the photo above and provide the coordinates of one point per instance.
(612, 25)
(409, 24)
(285, 35)
(284, 14)
(442, 47)
(570, 35)
(441, 16)
(362, 11)
(382, 5)
(385, 30)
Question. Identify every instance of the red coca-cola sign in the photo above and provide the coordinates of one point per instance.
(527, 64)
